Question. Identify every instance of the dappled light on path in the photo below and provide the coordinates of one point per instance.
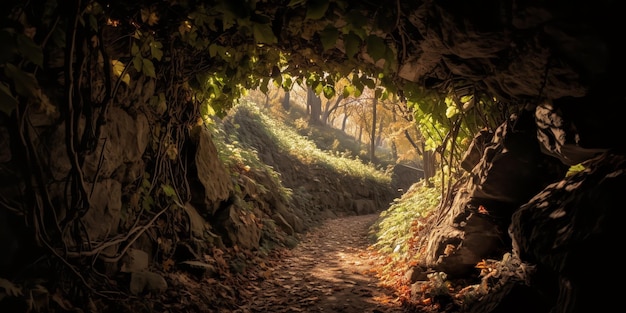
(331, 270)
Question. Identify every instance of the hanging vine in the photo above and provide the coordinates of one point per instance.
(176, 62)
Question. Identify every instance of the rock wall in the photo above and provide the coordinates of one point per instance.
(114, 162)
(510, 170)
(518, 205)
(567, 226)
(159, 198)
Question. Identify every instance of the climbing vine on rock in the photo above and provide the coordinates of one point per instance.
(99, 100)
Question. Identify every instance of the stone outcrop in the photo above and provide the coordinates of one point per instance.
(568, 232)
(510, 170)
(208, 176)
(114, 162)
(519, 207)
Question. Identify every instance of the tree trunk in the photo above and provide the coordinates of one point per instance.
(267, 100)
(286, 101)
(394, 147)
(429, 165)
(373, 133)
(379, 136)
(344, 122)
(314, 102)
(329, 109)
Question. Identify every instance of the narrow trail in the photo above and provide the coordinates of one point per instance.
(331, 270)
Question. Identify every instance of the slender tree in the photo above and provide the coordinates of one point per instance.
(372, 150)
(286, 100)
(314, 104)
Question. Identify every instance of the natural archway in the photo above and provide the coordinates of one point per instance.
(104, 107)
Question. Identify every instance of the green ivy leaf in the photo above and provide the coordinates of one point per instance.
(451, 111)
(390, 58)
(376, 47)
(25, 83)
(155, 50)
(352, 43)
(160, 104)
(385, 94)
(147, 203)
(118, 69)
(203, 43)
(137, 63)
(191, 38)
(347, 91)
(93, 22)
(213, 50)
(168, 190)
(29, 49)
(358, 85)
(201, 17)
(317, 87)
(7, 101)
(134, 49)
(329, 37)
(287, 83)
(356, 19)
(316, 9)
(368, 82)
(263, 33)
(148, 68)
(264, 86)
(278, 81)
(329, 91)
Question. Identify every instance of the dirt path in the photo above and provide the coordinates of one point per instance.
(331, 270)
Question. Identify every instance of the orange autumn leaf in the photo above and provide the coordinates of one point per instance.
(481, 265)
(167, 264)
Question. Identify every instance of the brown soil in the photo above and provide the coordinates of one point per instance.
(331, 270)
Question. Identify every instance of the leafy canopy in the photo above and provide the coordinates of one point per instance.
(220, 49)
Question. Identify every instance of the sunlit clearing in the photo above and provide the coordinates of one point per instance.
(307, 152)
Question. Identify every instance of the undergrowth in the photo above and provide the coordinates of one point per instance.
(240, 158)
(397, 230)
(308, 152)
(393, 229)
(331, 139)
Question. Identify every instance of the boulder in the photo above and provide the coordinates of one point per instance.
(238, 226)
(568, 232)
(208, 176)
(474, 226)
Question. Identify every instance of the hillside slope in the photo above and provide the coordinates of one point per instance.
(322, 185)
(189, 247)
